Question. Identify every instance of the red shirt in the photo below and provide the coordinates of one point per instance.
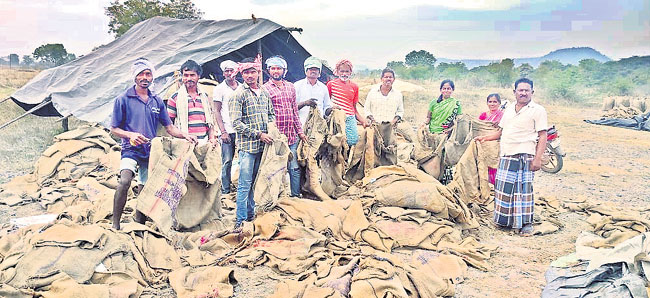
(344, 95)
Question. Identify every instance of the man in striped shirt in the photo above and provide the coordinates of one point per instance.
(283, 97)
(345, 96)
(189, 108)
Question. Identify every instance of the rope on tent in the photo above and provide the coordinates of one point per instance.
(40, 105)
(5, 99)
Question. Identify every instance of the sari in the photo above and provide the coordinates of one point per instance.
(443, 113)
(495, 117)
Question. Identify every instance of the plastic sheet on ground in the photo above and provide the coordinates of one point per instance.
(620, 271)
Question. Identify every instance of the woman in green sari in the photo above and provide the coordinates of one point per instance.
(443, 110)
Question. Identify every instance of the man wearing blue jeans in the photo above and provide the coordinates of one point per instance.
(283, 97)
(251, 111)
(221, 96)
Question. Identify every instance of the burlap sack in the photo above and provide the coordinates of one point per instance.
(638, 103)
(273, 167)
(608, 104)
(202, 202)
(622, 101)
(332, 161)
(490, 148)
(428, 151)
(459, 139)
(315, 130)
(165, 186)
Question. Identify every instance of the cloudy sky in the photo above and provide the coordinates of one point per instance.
(372, 32)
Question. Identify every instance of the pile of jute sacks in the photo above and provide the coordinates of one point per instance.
(375, 220)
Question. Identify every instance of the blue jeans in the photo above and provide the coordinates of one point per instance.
(294, 171)
(249, 164)
(227, 153)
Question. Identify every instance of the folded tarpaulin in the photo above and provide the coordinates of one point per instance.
(638, 122)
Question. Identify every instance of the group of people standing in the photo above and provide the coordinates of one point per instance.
(242, 111)
(522, 137)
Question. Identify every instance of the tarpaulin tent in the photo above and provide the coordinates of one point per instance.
(87, 87)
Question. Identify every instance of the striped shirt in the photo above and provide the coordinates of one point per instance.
(250, 113)
(196, 122)
(344, 95)
(285, 108)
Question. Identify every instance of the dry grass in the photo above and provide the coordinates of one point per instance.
(23, 141)
(16, 77)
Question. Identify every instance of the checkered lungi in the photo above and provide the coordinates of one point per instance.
(513, 191)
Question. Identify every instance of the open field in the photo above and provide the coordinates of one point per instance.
(603, 164)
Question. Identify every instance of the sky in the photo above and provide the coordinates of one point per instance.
(372, 32)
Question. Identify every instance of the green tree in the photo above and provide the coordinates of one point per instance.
(28, 60)
(451, 70)
(124, 15)
(53, 54)
(503, 72)
(420, 58)
(524, 70)
(395, 64)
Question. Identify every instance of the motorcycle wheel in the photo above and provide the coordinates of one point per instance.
(553, 162)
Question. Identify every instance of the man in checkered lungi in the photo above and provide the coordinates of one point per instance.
(523, 141)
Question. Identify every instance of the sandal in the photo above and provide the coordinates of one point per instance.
(527, 231)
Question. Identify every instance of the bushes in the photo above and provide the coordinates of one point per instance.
(621, 86)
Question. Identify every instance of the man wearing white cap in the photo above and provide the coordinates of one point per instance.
(283, 97)
(310, 92)
(221, 97)
(136, 115)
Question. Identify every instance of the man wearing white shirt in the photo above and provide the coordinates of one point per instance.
(522, 144)
(384, 103)
(221, 97)
(310, 92)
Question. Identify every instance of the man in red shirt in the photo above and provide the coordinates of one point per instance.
(345, 95)
(283, 97)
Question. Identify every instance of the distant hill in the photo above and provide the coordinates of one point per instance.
(565, 56)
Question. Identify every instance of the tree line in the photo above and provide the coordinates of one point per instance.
(565, 82)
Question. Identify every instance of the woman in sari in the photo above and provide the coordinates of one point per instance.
(443, 111)
(440, 118)
(493, 115)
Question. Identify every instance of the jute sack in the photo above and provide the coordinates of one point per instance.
(490, 148)
(428, 151)
(165, 187)
(315, 130)
(202, 202)
(459, 139)
(332, 161)
(608, 104)
(622, 101)
(273, 167)
(638, 103)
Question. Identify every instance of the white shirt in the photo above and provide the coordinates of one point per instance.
(222, 93)
(305, 91)
(384, 108)
(520, 130)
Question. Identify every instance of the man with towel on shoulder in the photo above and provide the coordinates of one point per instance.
(190, 109)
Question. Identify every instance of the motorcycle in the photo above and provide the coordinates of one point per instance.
(552, 158)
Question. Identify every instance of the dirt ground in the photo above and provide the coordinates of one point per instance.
(602, 164)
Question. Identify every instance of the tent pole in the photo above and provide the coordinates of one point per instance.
(40, 105)
(259, 52)
(64, 122)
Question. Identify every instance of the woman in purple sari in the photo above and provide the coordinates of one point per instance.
(493, 115)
